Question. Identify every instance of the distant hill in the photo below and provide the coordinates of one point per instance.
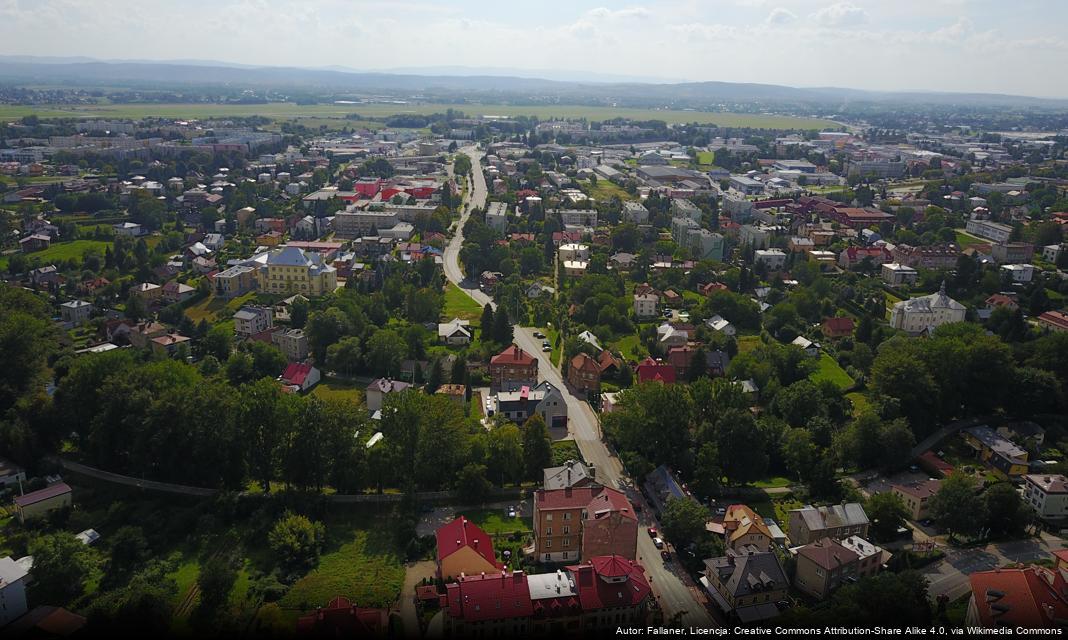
(157, 74)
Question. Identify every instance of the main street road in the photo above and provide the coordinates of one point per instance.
(677, 594)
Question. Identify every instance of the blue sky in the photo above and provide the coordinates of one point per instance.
(953, 45)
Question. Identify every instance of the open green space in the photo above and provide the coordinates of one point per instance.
(965, 240)
(630, 346)
(460, 305)
(831, 370)
(564, 450)
(861, 403)
(212, 307)
(365, 569)
(63, 251)
(605, 190)
(289, 110)
(334, 389)
(496, 522)
(706, 157)
(773, 482)
(748, 343)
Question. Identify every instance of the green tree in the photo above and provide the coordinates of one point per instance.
(129, 550)
(537, 446)
(1003, 506)
(385, 351)
(684, 521)
(298, 313)
(486, 324)
(324, 329)
(887, 513)
(345, 356)
(218, 343)
(297, 540)
(215, 580)
(267, 360)
(471, 483)
(61, 565)
(957, 505)
(798, 451)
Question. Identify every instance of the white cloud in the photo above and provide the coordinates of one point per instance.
(841, 14)
(604, 13)
(781, 16)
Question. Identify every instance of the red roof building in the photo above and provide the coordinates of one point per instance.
(934, 465)
(837, 327)
(580, 523)
(584, 373)
(612, 582)
(1030, 597)
(650, 370)
(513, 367)
(341, 619)
(852, 256)
(1054, 321)
(858, 217)
(495, 604)
(464, 549)
(300, 374)
(1001, 300)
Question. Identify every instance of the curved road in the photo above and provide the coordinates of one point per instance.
(675, 591)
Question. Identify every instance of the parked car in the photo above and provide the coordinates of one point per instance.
(666, 555)
(652, 532)
(511, 512)
(546, 348)
(658, 543)
(539, 335)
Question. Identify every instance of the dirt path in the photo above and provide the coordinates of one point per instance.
(413, 575)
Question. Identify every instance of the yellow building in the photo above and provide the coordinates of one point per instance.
(290, 270)
(464, 549)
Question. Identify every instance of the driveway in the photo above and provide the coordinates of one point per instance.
(430, 521)
(414, 572)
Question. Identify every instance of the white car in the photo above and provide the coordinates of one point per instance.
(658, 543)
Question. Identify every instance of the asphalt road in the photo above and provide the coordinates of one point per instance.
(676, 593)
(950, 575)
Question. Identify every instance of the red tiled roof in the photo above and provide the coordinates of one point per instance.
(838, 325)
(650, 370)
(461, 533)
(596, 593)
(513, 355)
(930, 461)
(494, 596)
(40, 495)
(583, 362)
(341, 619)
(296, 373)
(920, 489)
(593, 499)
(828, 554)
(1028, 597)
(1056, 318)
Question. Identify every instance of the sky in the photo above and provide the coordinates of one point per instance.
(995, 46)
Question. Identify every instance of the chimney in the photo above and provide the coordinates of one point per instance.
(593, 472)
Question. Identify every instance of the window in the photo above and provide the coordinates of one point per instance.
(567, 530)
(567, 515)
(567, 542)
(548, 543)
(566, 555)
(549, 531)
(548, 517)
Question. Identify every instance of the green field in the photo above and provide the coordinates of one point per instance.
(210, 308)
(965, 240)
(830, 370)
(63, 251)
(564, 450)
(496, 522)
(605, 190)
(706, 157)
(334, 389)
(861, 403)
(364, 569)
(288, 110)
(460, 305)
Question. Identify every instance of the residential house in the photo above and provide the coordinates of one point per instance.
(35, 242)
(895, 274)
(997, 450)
(542, 398)
(300, 376)
(1012, 252)
(513, 368)
(942, 256)
(645, 305)
(827, 564)
(235, 281)
(669, 335)
(250, 320)
(167, 345)
(13, 578)
(772, 259)
(746, 587)
(340, 618)
(744, 531)
(455, 332)
(584, 373)
(147, 291)
(464, 549)
(721, 325)
(142, 334)
(39, 503)
(1018, 598)
(293, 343)
(852, 257)
(214, 241)
(1047, 495)
(176, 292)
(290, 270)
(926, 312)
(811, 349)
(1053, 321)
(650, 370)
(809, 524)
(496, 604)
(455, 392)
(583, 522)
(76, 312)
(841, 327)
(916, 496)
(572, 473)
(376, 392)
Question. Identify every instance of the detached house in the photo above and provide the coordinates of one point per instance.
(827, 564)
(513, 368)
(579, 523)
(300, 376)
(746, 587)
(584, 373)
(464, 549)
(745, 531)
(376, 392)
(809, 524)
(455, 332)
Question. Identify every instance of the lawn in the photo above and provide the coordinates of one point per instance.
(63, 251)
(773, 482)
(289, 110)
(861, 403)
(965, 240)
(605, 190)
(334, 389)
(460, 305)
(630, 346)
(210, 307)
(831, 370)
(748, 343)
(497, 523)
(365, 569)
(706, 157)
